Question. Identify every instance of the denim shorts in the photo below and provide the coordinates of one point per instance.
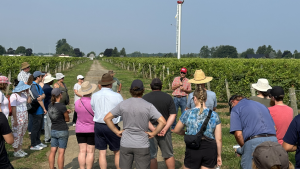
(59, 138)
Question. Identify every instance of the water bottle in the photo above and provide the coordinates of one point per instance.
(218, 167)
(15, 132)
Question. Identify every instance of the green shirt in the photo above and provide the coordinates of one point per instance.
(115, 84)
(263, 101)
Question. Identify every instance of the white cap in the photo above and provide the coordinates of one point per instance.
(80, 77)
(59, 76)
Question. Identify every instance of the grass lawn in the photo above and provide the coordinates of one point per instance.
(35, 157)
(229, 158)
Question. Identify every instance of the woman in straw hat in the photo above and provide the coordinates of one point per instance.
(208, 155)
(200, 79)
(262, 86)
(85, 126)
(19, 120)
(3, 100)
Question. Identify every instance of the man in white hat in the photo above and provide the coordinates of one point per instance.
(24, 74)
(77, 96)
(201, 79)
(262, 86)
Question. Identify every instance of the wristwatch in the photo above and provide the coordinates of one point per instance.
(119, 91)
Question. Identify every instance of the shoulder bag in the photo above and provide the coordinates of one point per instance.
(86, 109)
(194, 141)
(34, 105)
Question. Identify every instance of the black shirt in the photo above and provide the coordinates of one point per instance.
(47, 90)
(4, 130)
(163, 103)
(56, 114)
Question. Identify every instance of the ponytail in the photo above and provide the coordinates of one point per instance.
(201, 96)
(53, 99)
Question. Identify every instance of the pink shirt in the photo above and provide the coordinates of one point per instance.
(282, 116)
(84, 123)
(185, 84)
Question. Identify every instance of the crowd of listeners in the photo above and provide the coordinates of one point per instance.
(263, 126)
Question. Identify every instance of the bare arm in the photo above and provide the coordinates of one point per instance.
(14, 115)
(120, 87)
(161, 124)
(175, 87)
(218, 136)
(55, 85)
(288, 147)
(239, 137)
(168, 125)
(150, 126)
(66, 115)
(108, 120)
(179, 128)
(9, 138)
(76, 92)
(0, 108)
(214, 109)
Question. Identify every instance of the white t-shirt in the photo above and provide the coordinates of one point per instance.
(4, 104)
(19, 101)
(76, 87)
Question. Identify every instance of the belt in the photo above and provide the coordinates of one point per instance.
(178, 96)
(260, 135)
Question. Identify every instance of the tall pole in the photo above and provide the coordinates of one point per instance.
(179, 6)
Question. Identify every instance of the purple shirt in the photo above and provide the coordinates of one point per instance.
(85, 115)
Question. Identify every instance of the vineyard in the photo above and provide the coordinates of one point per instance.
(239, 73)
(10, 65)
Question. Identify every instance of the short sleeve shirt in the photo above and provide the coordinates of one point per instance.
(185, 84)
(85, 115)
(23, 76)
(252, 118)
(4, 104)
(292, 137)
(37, 90)
(210, 103)
(263, 101)
(115, 84)
(193, 121)
(76, 87)
(4, 130)
(56, 114)
(136, 113)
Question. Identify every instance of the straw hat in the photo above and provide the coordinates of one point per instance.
(106, 79)
(262, 85)
(48, 78)
(21, 87)
(87, 88)
(200, 78)
(25, 65)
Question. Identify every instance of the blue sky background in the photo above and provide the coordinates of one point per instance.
(145, 26)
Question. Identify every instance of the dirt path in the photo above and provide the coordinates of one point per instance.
(71, 154)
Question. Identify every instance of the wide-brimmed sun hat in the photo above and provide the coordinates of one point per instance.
(111, 72)
(200, 78)
(106, 79)
(59, 76)
(25, 65)
(4, 79)
(21, 87)
(80, 77)
(48, 78)
(262, 85)
(87, 88)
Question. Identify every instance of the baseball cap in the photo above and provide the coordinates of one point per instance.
(183, 70)
(269, 154)
(4, 79)
(37, 74)
(56, 91)
(156, 82)
(80, 77)
(137, 83)
(276, 91)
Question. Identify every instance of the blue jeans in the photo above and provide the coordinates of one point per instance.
(249, 147)
(179, 102)
(59, 138)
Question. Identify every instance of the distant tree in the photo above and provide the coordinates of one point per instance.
(268, 51)
(108, 52)
(115, 52)
(92, 52)
(287, 54)
(261, 49)
(213, 50)
(20, 50)
(225, 51)
(248, 51)
(136, 54)
(10, 51)
(2, 50)
(77, 52)
(204, 52)
(59, 44)
(123, 52)
(66, 49)
(28, 52)
(279, 54)
(272, 55)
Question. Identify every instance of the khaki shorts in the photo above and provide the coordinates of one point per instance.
(164, 143)
(141, 156)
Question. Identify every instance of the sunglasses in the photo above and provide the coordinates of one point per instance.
(82, 79)
(28, 67)
(182, 73)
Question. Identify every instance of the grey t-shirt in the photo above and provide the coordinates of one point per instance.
(136, 113)
(56, 114)
(263, 101)
(115, 84)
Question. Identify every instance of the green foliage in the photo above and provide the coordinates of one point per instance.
(92, 52)
(261, 49)
(225, 52)
(204, 52)
(279, 54)
(123, 52)
(248, 51)
(2, 50)
(115, 52)
(20, 49)
(62, 47)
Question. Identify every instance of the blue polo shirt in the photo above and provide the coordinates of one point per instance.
(292, 137)
(252, 118)
(37, 90)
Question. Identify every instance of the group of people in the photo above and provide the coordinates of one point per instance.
(262, 125)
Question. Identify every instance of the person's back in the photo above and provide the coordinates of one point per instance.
(85, 115)
(210, 103)
(264, 101)
(47, 90)
(5, 131)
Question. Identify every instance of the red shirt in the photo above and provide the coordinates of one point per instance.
(186, 85)
(282, 116)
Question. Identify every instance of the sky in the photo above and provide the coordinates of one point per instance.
(149, 26)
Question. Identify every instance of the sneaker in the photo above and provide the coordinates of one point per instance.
(74, 124)
(48, 141)
(23, 152)
(42, 145)
(18, 154)
(37, 147)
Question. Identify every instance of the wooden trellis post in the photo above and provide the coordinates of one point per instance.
(208, 85)
(150, 71)
(9, 79)
(227, 90)
(252, 90)
(293, 98)
(168, 72)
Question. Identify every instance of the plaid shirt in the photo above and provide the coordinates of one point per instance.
(186, 86)
(23, 76)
